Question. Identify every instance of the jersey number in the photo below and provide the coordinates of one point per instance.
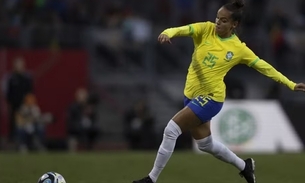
(210, 60)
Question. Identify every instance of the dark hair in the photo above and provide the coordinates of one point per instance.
(236, 8)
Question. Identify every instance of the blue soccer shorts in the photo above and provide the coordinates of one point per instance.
(204, 107)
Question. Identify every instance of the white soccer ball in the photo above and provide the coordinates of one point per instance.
(51, 177)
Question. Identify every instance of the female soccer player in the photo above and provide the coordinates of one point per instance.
(216, 50)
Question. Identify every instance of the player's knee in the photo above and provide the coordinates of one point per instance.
(205, 144)
(172, 130)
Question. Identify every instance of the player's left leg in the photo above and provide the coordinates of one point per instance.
(184, 120)
(206, 143)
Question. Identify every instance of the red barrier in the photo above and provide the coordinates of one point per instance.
(56, 75)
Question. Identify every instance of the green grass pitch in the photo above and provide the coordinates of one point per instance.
(123, 167)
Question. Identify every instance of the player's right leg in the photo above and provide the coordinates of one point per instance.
(248, 172)
(205, 109)
(206, 143)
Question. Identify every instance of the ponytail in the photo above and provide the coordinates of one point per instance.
(236, 8)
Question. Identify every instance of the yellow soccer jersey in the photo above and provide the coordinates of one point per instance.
(213, 57)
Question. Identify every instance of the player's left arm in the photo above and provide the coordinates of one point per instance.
(268, 70)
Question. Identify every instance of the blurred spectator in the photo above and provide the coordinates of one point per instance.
(137, 33)
(82, 125)
(183, 11)
(140, 127)
(301, 18)
(30, 125)
(137, 29)
(19, 84)
(277, 25)
(78, 13)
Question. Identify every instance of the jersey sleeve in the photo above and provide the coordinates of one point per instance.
(248, 57)
(192, 30)
(265, 68)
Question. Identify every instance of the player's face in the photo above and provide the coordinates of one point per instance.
(224, 23)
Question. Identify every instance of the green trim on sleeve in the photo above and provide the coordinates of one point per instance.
(191, 29)
(254, 62)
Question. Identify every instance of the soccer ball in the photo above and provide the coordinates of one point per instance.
(51, 177)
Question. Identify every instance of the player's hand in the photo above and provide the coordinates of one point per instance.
(164, 38)
(300, 87)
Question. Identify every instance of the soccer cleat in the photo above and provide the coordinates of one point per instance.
(248, 172)
(144, 180)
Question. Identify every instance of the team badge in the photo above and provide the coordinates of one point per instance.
(229, 56)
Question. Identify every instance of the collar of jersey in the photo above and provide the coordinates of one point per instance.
(227, 38)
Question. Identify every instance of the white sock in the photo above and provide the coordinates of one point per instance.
(171, 133)
(220, 151)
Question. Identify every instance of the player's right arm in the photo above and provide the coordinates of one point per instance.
(192, 30)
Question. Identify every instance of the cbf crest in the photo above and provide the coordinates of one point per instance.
(229, 56)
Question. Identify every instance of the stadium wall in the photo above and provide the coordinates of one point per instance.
(295, 112)
(255, 126)
(56, 74)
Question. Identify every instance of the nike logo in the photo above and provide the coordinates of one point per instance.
(207, 43)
